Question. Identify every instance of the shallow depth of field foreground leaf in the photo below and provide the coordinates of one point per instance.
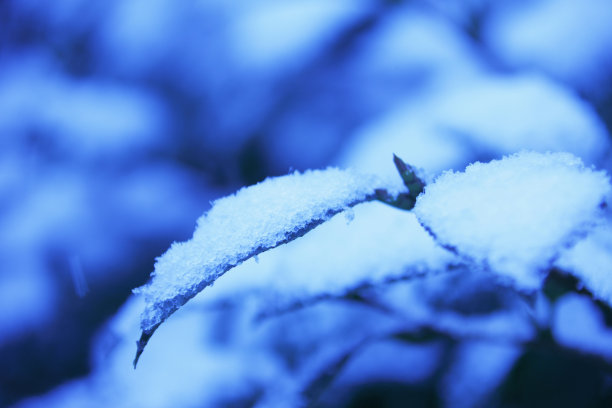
(238, 227)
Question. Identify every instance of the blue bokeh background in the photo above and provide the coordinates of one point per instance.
(121, 120)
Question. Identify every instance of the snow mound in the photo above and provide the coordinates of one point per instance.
(516, 214)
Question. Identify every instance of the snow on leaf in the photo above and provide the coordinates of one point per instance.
(380, 246)
(238, 227)
(514, 215)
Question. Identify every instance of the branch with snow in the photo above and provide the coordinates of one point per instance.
(238, 227)
(513, 216)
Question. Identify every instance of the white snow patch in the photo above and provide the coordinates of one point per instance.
(380, 243)
(514, 214)
(256, 218)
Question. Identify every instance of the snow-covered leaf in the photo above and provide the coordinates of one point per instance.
(243, 225)
(514, 215)
(379, 246)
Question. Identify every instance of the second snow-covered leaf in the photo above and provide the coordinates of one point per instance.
(515, 215)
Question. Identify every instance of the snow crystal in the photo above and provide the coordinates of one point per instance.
(590, 260)
(256, 218)
(579, 324)
(514, 215)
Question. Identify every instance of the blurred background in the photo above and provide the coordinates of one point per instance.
(121, 120)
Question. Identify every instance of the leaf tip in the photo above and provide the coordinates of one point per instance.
(401, 166)
(142, 342)
(409, 176)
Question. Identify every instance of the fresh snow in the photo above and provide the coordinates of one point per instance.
(237, 227)
(380, 244)
(297, 85)
(516, 214)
